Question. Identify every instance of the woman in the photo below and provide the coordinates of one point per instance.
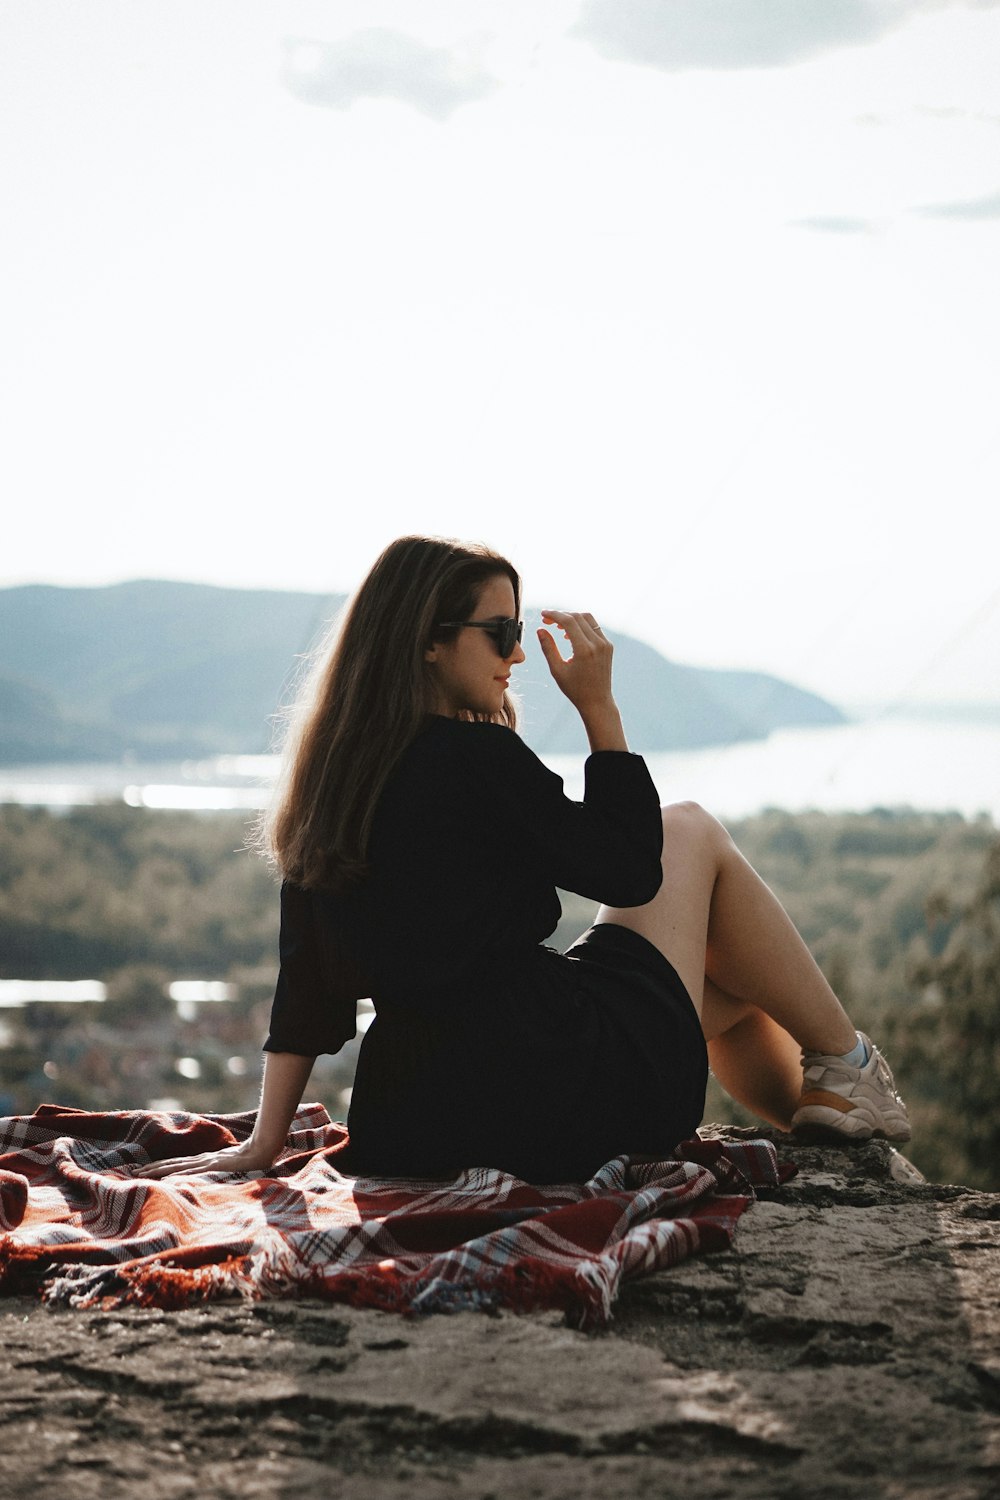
(421, 844)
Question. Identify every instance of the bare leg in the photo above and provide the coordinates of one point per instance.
(756, 1060)
(715, 918)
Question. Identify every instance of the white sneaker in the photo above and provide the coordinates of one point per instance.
(839, 1102)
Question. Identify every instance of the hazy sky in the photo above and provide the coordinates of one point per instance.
(690, 305)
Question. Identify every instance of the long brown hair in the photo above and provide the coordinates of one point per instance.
(366, 699)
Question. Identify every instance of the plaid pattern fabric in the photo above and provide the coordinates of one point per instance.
(80, 1226)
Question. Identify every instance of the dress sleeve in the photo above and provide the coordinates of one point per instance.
(315, 1000)
(606, 847)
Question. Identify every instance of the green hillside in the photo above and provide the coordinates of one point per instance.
(157, 669)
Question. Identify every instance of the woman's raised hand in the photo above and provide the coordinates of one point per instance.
(585, 676)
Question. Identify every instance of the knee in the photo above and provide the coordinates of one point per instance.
(690, 821)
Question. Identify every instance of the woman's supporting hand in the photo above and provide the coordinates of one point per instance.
(285, 1077)
(585, 676)
(243, 1158)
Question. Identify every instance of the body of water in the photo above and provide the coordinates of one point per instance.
(937, 765)
(926, 765)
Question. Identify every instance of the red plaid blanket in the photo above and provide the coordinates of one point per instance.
(80, 1226)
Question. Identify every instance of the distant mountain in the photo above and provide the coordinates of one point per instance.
(160, 670)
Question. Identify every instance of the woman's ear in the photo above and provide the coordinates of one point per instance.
(431, 653)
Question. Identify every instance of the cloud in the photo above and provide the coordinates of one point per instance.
(968, 209)
(679, 34)
(953, 112)
(382, 64)
(834, 224)
(987, 207)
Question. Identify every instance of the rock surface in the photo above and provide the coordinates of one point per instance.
(848, 1344)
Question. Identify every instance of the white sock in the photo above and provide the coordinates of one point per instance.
(858, 1055)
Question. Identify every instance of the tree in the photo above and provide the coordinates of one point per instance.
(948, 1044)
(137, 995)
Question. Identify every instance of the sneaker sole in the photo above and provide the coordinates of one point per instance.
(819, 1123)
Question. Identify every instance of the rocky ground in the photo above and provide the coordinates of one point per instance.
(848, 1344)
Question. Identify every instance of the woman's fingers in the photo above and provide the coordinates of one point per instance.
(208, 1161)
(170, 1165)
(550, 651)
(580, 628)
(584, 676)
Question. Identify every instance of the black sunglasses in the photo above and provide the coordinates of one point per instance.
(505, 633)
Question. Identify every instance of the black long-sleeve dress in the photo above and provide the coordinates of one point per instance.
(489, 1048)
